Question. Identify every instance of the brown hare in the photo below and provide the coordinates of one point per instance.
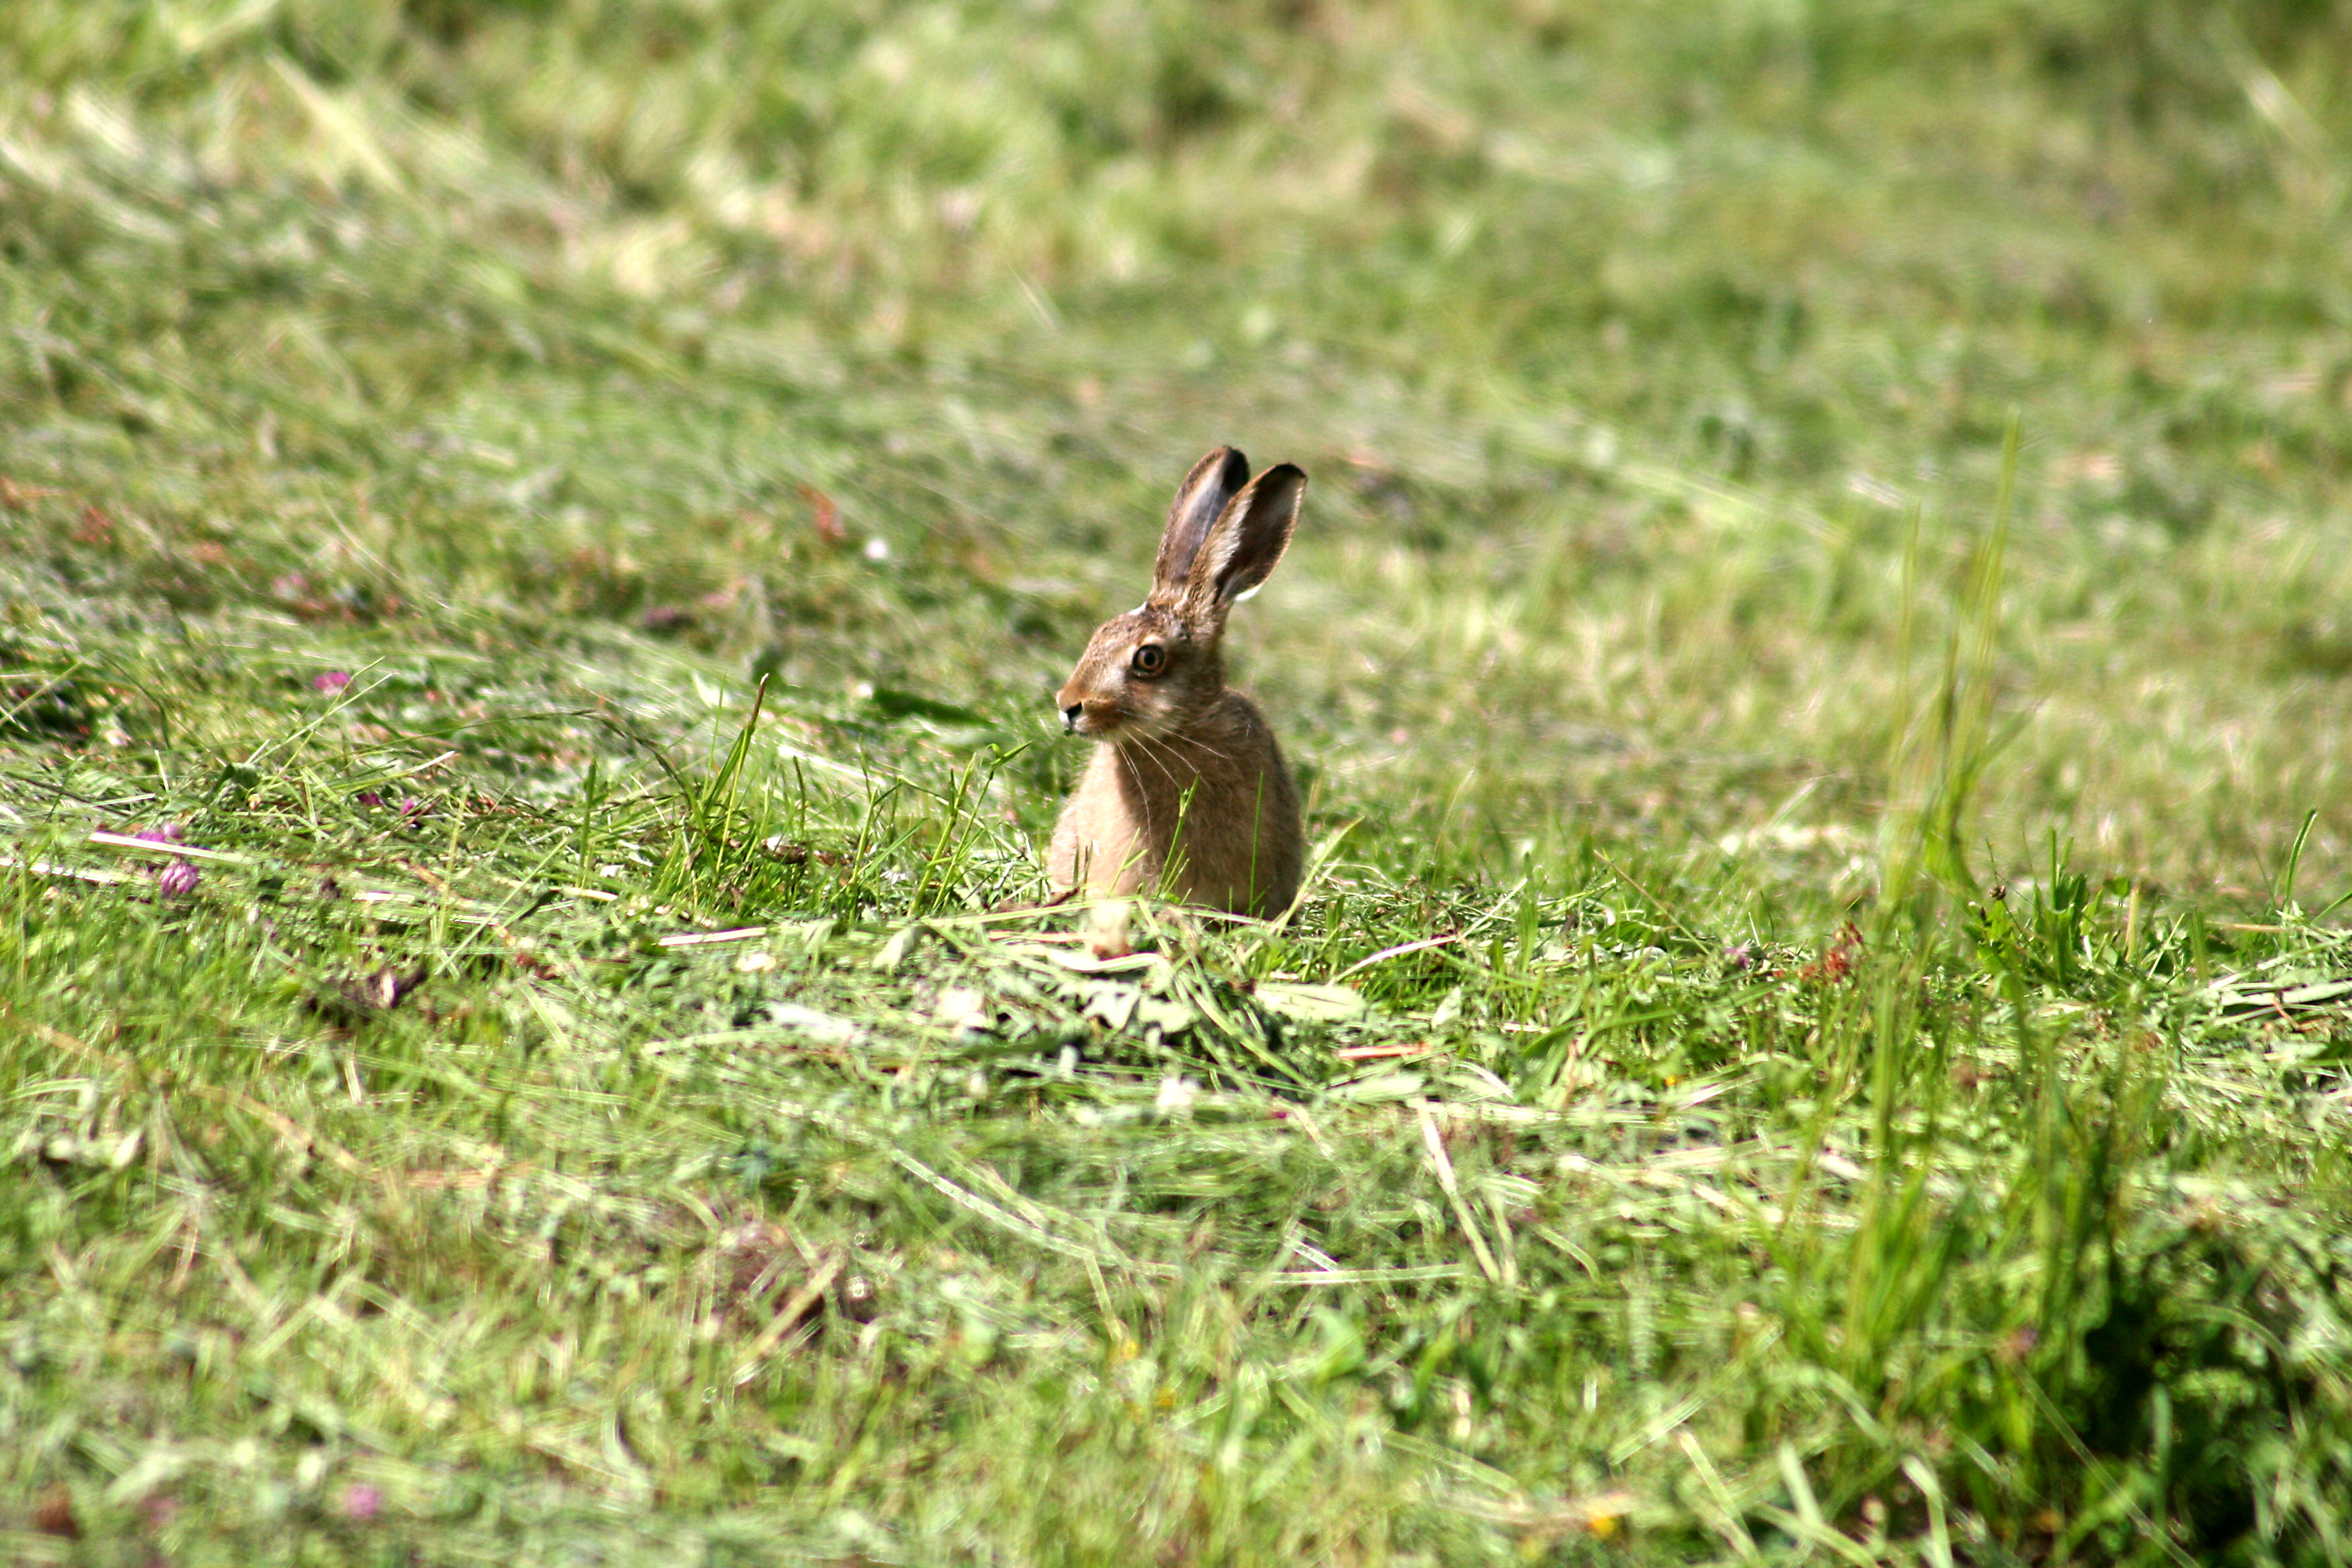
(1187, 794)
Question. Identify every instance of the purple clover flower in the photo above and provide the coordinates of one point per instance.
(178, 879)
(332, 681)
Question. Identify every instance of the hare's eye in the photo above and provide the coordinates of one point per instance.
(1149, 659)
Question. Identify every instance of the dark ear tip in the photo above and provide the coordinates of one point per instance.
(1233, 472)
(1283, 476)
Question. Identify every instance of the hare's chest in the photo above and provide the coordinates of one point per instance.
(1106, 839)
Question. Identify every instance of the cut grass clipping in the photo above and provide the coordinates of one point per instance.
(538, 541)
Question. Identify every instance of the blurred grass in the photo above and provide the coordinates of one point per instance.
(550, 1104)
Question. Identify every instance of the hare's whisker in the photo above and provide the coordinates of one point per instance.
(1153, 746)
(1195, 742)
(1169, 766)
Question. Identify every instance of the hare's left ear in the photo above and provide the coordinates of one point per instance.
(1245, 541)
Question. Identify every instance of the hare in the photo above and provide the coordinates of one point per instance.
(1187, 793)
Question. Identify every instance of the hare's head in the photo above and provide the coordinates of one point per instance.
(1148, 670)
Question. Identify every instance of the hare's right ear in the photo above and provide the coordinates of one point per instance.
(1214, 480)
(1244, 543)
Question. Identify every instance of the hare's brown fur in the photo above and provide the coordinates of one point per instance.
(1187, 793)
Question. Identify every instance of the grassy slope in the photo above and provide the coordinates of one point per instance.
(1653, 364)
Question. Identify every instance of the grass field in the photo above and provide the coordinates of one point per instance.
(538, 540)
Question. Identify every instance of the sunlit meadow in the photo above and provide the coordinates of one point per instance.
(538, 540)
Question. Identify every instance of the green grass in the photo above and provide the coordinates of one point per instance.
(1815, 649)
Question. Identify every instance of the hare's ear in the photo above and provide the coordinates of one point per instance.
(1200, 500)
(1245, 541)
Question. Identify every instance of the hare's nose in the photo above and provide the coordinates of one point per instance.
(1070, 717)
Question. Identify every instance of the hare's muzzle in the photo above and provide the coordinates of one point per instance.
(1077, 702)
(1093, 716)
